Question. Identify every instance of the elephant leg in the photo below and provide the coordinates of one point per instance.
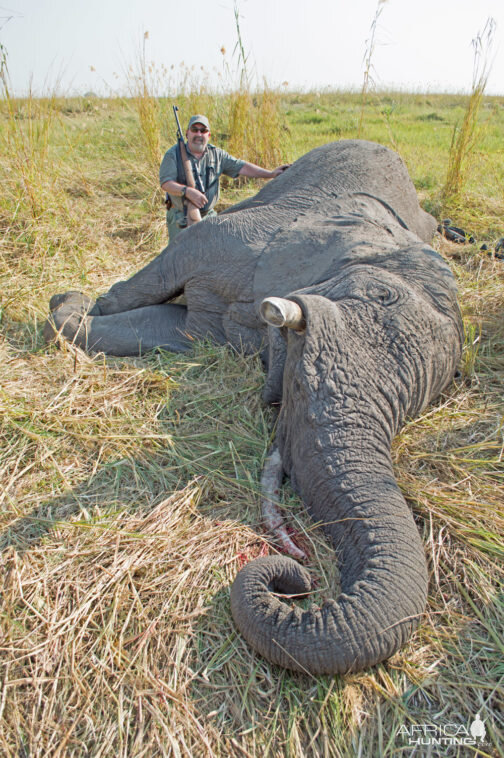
(131, 332)
(159, 281)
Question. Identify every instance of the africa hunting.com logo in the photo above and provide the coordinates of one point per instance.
(445, 734)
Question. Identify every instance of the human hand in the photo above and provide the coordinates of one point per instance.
(277, 171)
(196, 197)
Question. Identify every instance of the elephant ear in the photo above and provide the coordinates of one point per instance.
(318, 247)
(297, 256)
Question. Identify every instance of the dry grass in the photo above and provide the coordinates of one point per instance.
(129, 499)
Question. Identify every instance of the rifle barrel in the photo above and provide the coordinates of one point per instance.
(179, 130)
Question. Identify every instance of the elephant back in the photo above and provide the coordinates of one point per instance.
(347, 167)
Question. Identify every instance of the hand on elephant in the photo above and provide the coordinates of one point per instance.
(277, 171)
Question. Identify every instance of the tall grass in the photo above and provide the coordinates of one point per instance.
(148, 112)
(368, 65)
(466, 137)
(245, 118)
(26, 140)
(255, 127)
(254, 121)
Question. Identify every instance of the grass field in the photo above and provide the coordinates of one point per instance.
(129, 494)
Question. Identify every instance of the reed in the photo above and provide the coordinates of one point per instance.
(254, 121)
(148, 110)
(466, 136)
(26, 139)
(368, 81)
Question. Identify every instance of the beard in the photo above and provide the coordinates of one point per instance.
(197, 146)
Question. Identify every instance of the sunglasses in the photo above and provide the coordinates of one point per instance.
(202, 129)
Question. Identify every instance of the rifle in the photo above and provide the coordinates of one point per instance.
(193, 214)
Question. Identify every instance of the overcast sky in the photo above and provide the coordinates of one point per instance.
(311, 44)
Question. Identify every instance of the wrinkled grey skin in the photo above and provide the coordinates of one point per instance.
(340, 233)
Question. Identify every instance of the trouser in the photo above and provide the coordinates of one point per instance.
(174, 219)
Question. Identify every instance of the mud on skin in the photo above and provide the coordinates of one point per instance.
(342, 236)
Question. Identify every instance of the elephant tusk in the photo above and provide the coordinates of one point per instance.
(271, 481)
(277, 311)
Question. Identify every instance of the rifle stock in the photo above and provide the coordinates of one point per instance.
(193, 213)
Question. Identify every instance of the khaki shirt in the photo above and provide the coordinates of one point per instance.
(211, 165)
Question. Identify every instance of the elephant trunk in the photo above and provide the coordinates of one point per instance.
(383, 579)
(347, 388)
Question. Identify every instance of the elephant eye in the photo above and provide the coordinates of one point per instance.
(381, 293)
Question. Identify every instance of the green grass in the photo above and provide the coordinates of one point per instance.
(129, 491)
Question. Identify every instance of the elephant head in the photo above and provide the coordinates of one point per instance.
(364, 350)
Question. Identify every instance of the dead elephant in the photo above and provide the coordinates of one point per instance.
(329, 266)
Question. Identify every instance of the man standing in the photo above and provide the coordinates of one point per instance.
(208, 163)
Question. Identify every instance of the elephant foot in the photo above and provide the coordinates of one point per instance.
(77, 299)
(271, 480)
(69, 311)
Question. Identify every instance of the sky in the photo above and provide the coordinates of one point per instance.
(77, 47)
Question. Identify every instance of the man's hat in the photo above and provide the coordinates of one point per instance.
(199, 119)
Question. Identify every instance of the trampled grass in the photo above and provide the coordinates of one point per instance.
(129, 494)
